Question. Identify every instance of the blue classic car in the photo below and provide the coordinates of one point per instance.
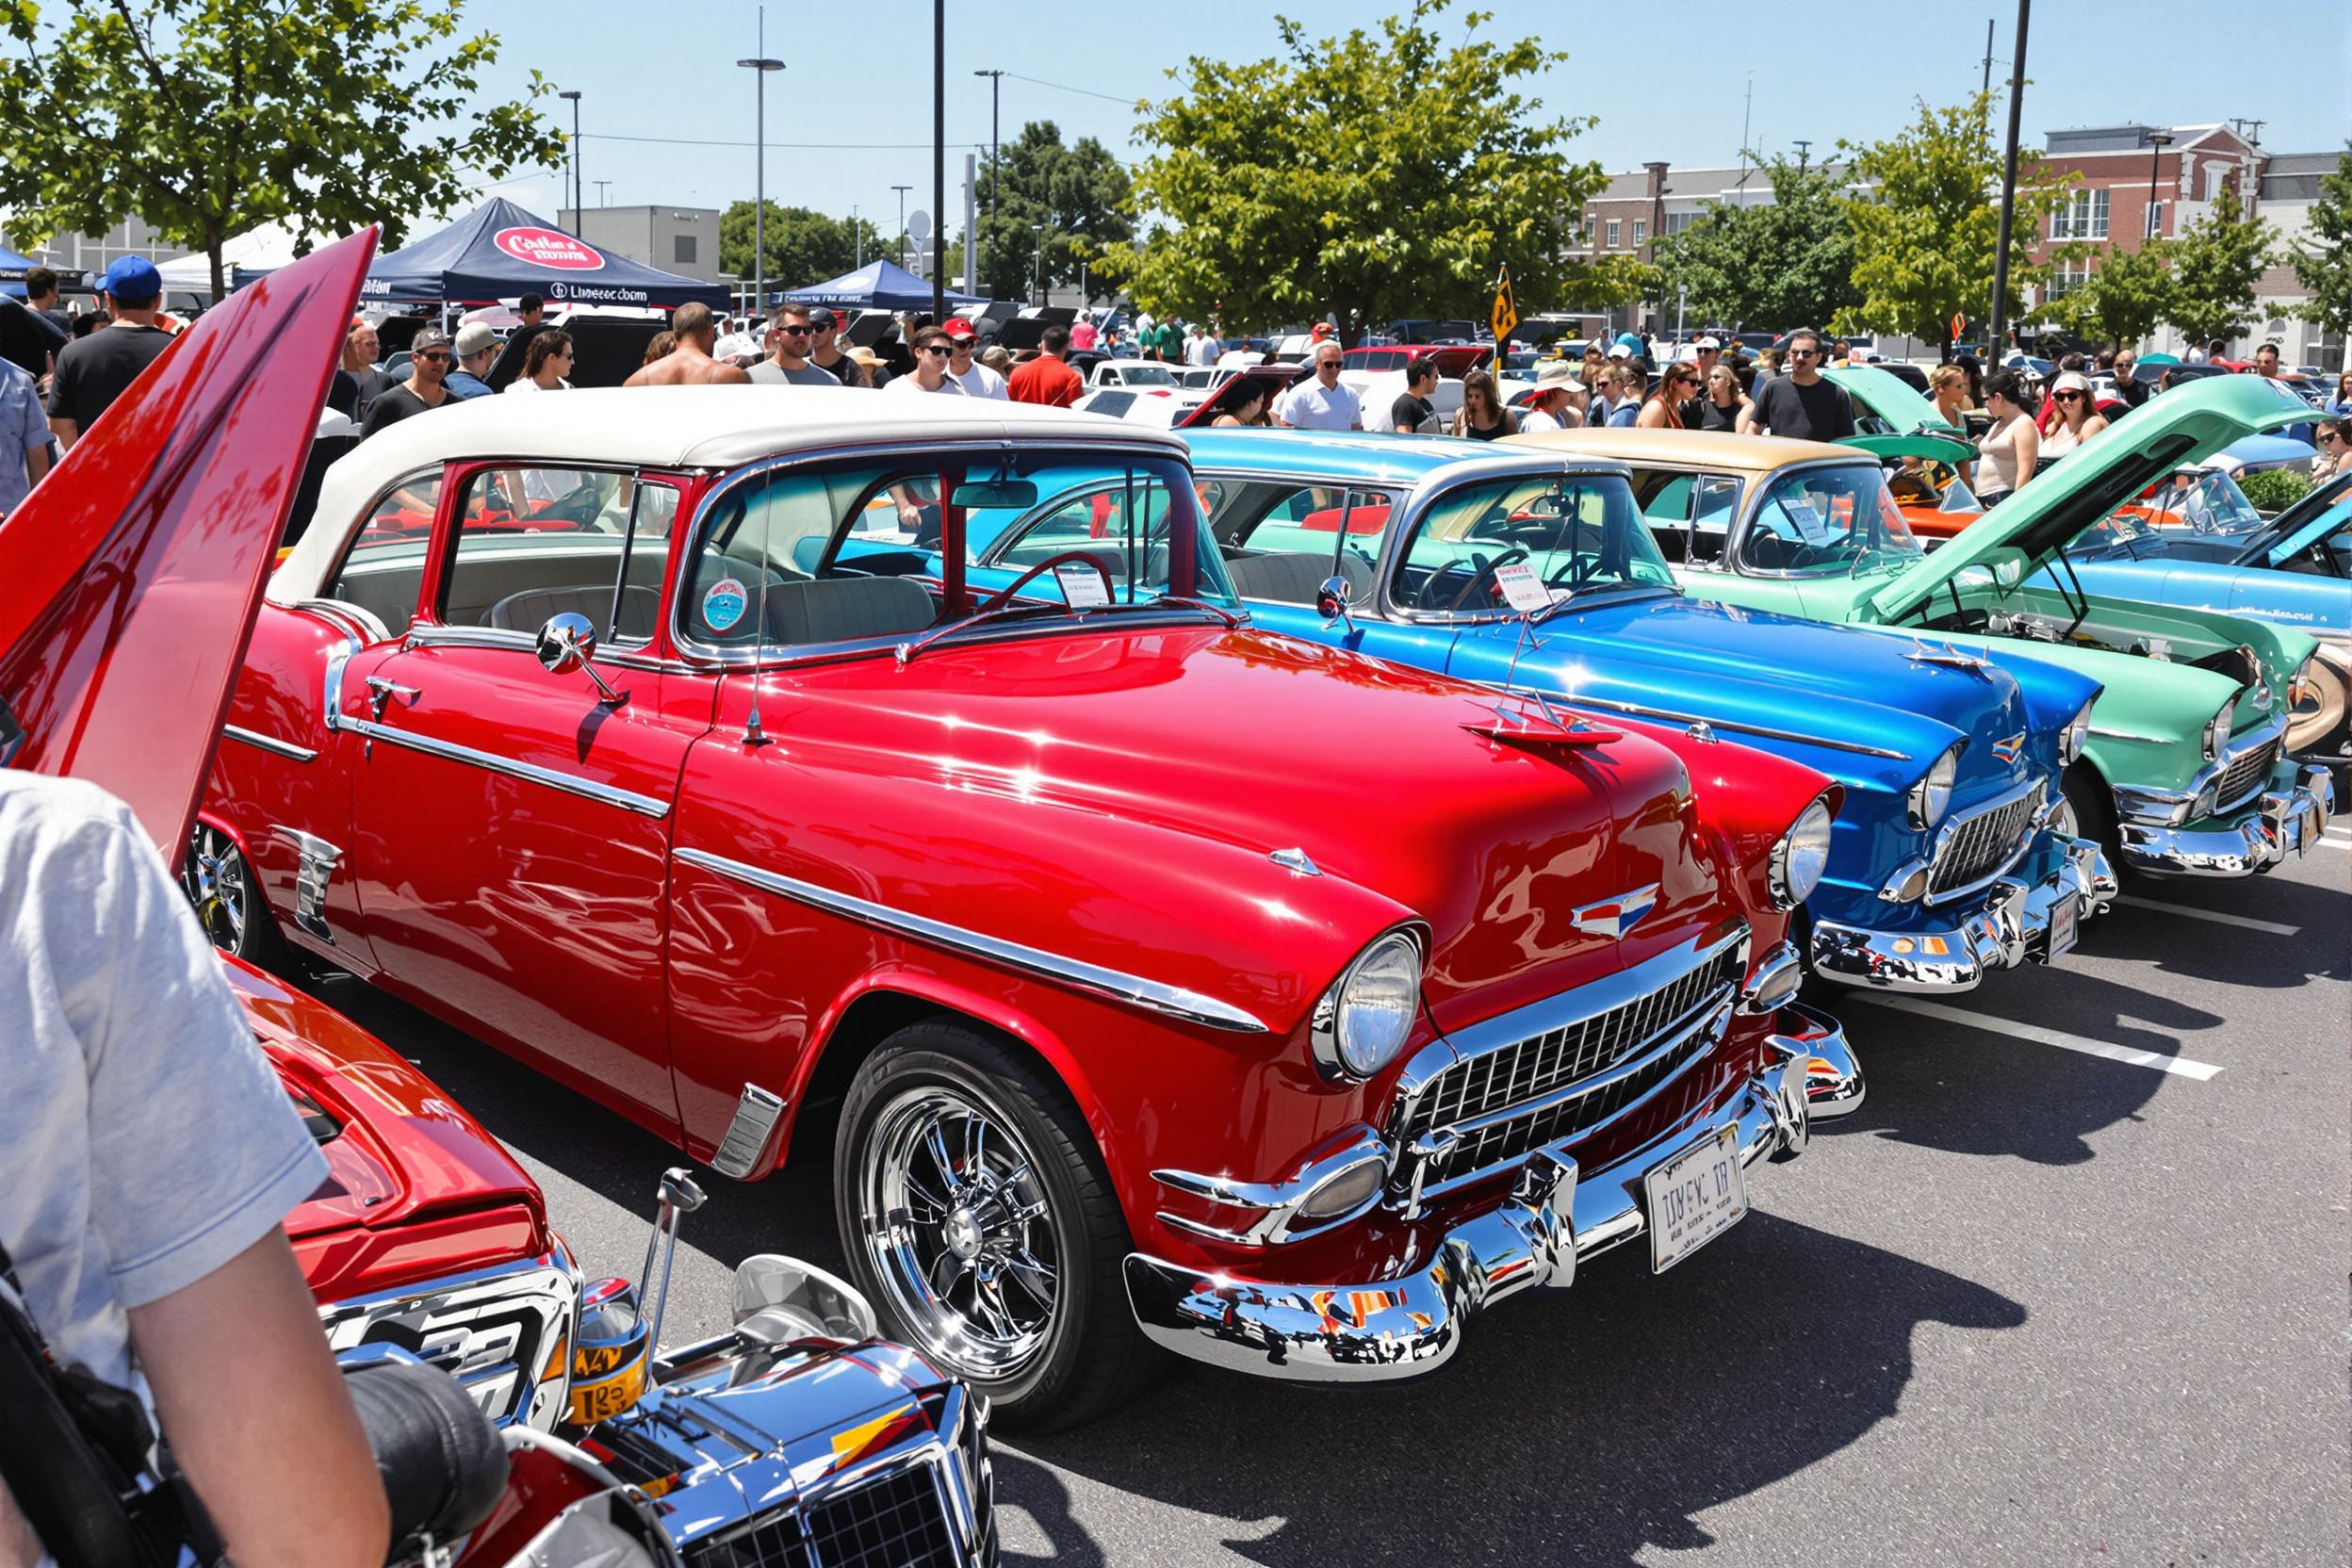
(1942, 863)
(2208, 548)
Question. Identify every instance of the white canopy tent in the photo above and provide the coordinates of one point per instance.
(260, 249)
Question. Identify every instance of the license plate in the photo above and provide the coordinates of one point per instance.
(1694, 1196)
(2063, 927)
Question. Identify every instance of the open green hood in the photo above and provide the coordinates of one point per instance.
(1891, 398)
(2185, 425)
(1938, 449)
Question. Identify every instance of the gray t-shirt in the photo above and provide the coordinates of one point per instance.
(144, 1138)
(769, 373)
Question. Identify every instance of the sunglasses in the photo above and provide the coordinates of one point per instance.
(2330, 439)
(2068, 397)
(939, 349)
(1805, 353)
(432, 355)
(801, 330)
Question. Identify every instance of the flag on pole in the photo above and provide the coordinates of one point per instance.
(1506, 315)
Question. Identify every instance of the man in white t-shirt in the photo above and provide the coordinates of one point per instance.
(1201, 349)
(148, 1158)
(1321, 402)
(976, 380)
(932, 348)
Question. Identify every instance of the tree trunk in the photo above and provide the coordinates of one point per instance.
(212, 242)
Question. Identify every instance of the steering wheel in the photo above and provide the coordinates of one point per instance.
(1067, 558)
(1484, 575)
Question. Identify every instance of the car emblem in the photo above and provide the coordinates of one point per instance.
(2005, 752)
(1614, 916)
(2262, 698)
(1947, 656)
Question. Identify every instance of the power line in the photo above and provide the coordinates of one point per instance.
(1064, 87)
(798, 146)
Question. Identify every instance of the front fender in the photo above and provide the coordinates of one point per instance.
(2148, 723)
(1747, 800)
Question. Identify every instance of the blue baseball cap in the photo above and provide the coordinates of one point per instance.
(132, 278)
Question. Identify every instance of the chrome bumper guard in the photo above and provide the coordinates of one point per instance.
(2285, 818)
(1556, 1215)
(2010, 926)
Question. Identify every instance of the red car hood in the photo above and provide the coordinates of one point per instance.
(129, 579)
(415, 1188)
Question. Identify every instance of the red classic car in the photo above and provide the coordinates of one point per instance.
(1157, 981)
(126, 585)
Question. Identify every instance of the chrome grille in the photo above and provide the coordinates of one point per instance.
(492, 1331)
(1504, 1104)
(896, 1521)
(1975, 847)
(2244, 775)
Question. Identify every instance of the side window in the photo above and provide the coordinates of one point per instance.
(537, 542)
(773, 531)
(1719, 498)
(1307, 535)
(383, 570)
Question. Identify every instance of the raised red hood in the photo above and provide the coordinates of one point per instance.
(415, 1188)
(129, 579)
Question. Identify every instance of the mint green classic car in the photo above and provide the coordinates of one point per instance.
(2185, 771)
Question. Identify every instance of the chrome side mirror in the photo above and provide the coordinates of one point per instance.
(1331, 601)
(568, 642)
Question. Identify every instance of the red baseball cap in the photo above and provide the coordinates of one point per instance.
(957, 326)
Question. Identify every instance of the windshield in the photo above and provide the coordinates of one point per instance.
(1146, 375)
(2205, 501)
(1577, 533)
(1834, 521)
(801, 550)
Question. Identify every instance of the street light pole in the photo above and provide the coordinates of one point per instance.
(760, 67)
(2157, 142)
(1036, 270)
(938, 159)
(902, 190)
(574, 96)
(996, 173)
(1994, 340)
(858, 236)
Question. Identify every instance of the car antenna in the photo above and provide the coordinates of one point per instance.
(754, 735)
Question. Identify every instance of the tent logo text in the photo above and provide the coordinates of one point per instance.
(546, 248)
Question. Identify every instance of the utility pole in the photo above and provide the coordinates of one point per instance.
(574, 96)
(1804, 150)
(1745, 112)
(1988, 56)
(857, 238)
(1994, 340)
(603, 187)
(760, 67)
(902, 190)
(996, 84)
(938, 154)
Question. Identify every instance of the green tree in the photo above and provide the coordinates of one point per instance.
(803, 247)
(1069, 203)
(2323, 260)
(1925, 229)
(210, 118)
(1784, 263)
(2216, 263)
(1367, 177)
(2126, 295)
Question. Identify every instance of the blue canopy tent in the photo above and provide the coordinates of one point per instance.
(876, 285)
(499, 251)
(12, 270)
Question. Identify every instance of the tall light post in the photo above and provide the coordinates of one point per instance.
(1036, 270)
(760, 67)
(938, 159)
(902, 190)
(858, 236)
(996, 172)
(2157, 142)
(1994, 340)
(574, 150)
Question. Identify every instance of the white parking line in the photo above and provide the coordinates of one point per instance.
(2178, 1066)
(2243, 921)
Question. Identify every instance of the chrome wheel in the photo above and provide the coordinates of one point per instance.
(960, 1230)
(215, 881)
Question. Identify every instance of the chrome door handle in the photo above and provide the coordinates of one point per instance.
(381, 692)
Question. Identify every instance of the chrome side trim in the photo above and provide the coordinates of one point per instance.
(1173, 1000)
(1278, 1202)
(644, 806)
(748, 1132)
(320, 861)
(1669, 715)
(269, 744)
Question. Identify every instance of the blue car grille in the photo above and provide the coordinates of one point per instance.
(1976, 847)
(1504, 1104)
(2244, 775)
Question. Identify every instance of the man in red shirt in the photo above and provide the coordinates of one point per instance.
(1048, 379)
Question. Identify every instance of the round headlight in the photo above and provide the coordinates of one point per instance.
(2217, 730)
(2078, 735)
(1376, 1001)
(1798, 859)
(1931, 797)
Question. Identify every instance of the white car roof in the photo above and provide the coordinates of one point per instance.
(660, 427)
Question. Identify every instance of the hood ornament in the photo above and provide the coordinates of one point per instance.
(1614, 916)
(1947, 656)
(1295, 860)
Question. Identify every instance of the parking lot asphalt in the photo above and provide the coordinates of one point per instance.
(2072, 1297)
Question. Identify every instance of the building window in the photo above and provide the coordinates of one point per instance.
(1677, 221)
(1612, 234)
(682, 250)
(2155, 220)
(2071, 274)
(2084, 217)
(1640, 230)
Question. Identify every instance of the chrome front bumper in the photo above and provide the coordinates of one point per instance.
(2286, 818)
(1556, 1215)
(2008, 926)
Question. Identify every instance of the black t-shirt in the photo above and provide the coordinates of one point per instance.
(94, 371)
(392, 405)
(1408, 414)
(1702, 414)
(1821, 411)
